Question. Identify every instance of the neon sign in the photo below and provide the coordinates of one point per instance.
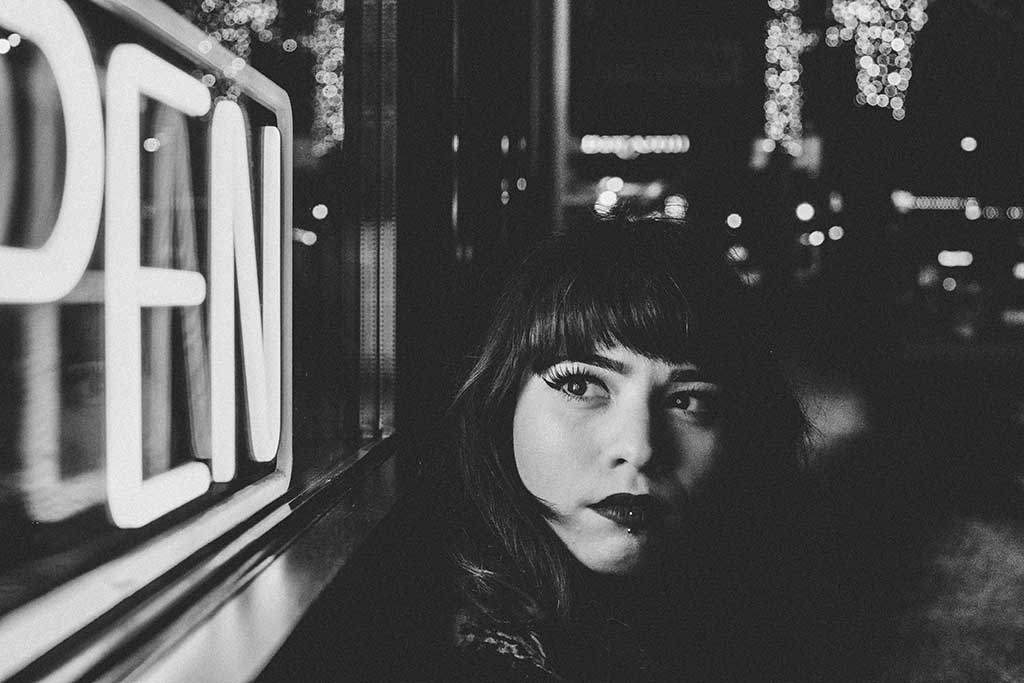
(52, 270)
(58, 268)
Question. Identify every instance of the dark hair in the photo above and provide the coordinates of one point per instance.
(657, 287)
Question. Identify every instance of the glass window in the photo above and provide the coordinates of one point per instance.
(147, 252)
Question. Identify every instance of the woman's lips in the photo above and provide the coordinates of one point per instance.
(636, 513)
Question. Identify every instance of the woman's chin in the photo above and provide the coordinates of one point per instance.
(621, 555)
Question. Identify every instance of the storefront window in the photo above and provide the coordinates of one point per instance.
(145, 301)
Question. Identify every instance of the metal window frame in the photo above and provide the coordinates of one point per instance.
(378, 238)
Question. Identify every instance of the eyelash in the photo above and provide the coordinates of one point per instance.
(709, 397)
(557, 378)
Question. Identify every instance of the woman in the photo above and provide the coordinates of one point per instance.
(626, 470)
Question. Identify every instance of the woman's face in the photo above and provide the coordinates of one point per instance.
(614, 443)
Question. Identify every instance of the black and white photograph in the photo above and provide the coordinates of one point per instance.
(535, 340)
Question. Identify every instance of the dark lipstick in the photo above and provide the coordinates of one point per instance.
(636, 513)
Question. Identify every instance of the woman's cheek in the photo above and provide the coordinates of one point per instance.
(533, 439)
(699, 450)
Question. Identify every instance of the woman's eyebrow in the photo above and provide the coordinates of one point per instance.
(686, 374)
(605, 362)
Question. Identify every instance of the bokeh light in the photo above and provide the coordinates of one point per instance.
(883, 32)
(784, 43)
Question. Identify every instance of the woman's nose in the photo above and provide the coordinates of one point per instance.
(630, 436)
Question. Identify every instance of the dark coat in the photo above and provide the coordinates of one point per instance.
(396, 614)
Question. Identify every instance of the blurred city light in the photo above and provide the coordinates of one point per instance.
(752, 277)
(955, 259)
(327, 45)
(971, 210)
(1018, 270)
(804, 211)
(614, 184)
(734, 220)
(968, 144)
(738, 253)
(903, 201)
(607, 198)
(676, 206)
(151, 144)
(1013, 317)
(928, 276)
(784, 43)
(949, 284)
(883, 35)
(306, 237)
(835, 201)
(632, 146)
(320, 212)
(939, 203)
(836, 232)
(816, 238)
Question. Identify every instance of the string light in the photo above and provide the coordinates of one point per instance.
(784, 43)
(904, 202)
(883, 32)
(233, 24)
(328, 46)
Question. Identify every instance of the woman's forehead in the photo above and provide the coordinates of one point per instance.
(624, 360)
(618, 356)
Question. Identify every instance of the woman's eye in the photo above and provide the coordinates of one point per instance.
(575, 386)
(578, 387)
(681, 401)
(700, 403)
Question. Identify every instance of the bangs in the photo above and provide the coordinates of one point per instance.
(659, 290)
(645, 311)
